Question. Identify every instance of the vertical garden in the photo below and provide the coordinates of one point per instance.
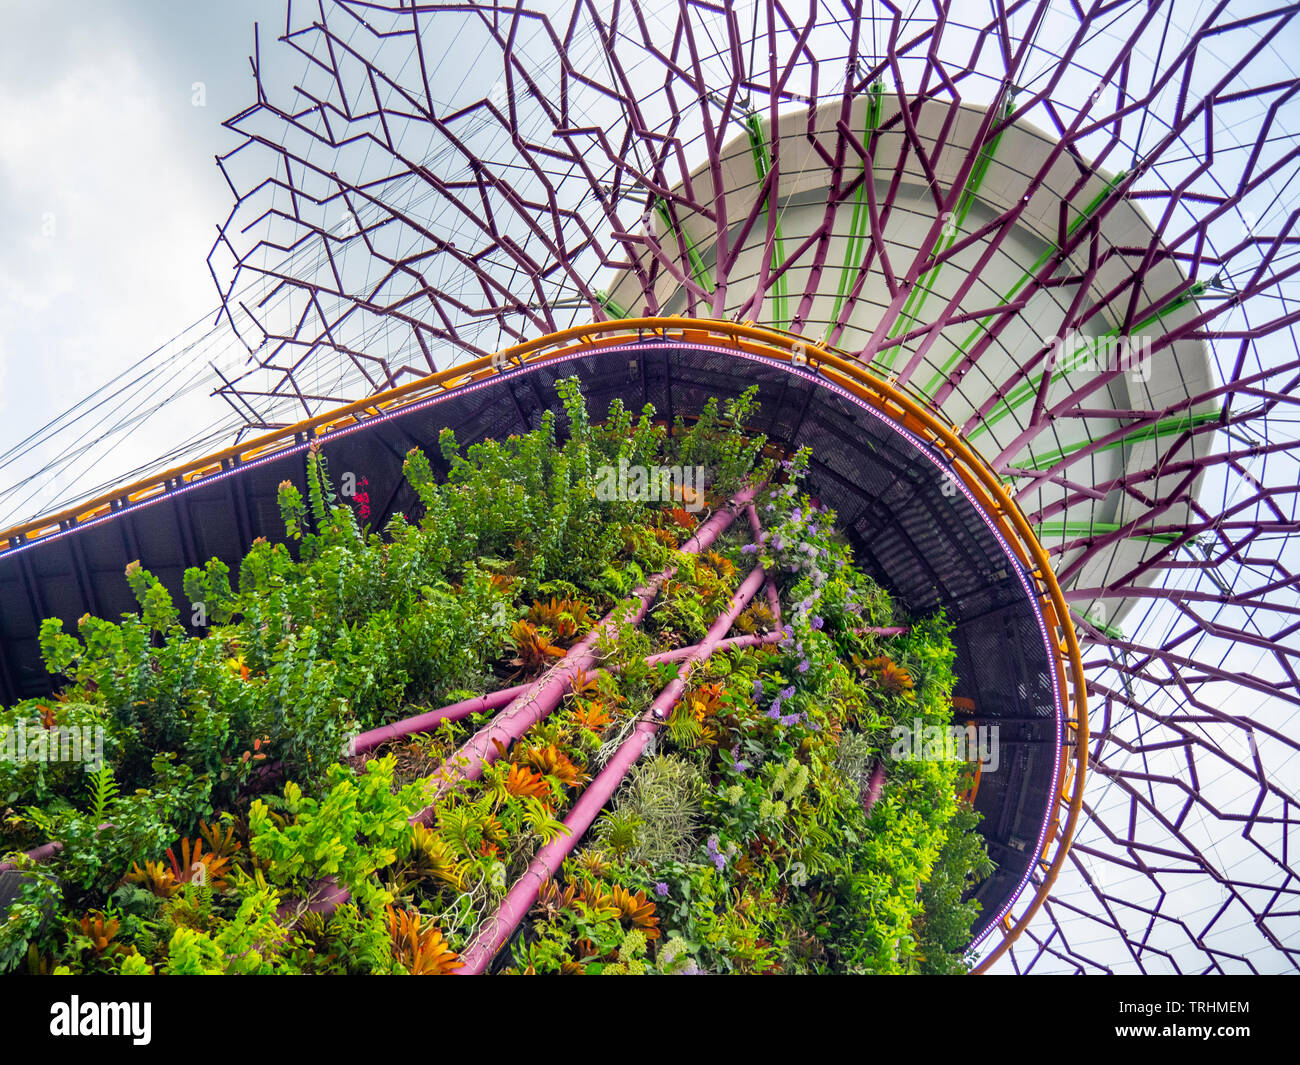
(367, 751)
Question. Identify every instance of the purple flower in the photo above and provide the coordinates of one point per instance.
(791, 719)
(817, 623)
(661, 889)
(812, 530)
(787, 693)
(797, 516)
(803, 666)
(749, 549)
(758, 688)
(775, 712)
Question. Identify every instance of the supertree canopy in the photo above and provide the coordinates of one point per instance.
(1020, 274)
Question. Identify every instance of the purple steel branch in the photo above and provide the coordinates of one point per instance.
(564, 199)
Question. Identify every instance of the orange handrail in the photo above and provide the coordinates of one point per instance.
(909, 411)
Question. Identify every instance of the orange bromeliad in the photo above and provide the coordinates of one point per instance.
(421, 949)
(533, 648)
(552, 762)
(522, 781)
(637, 909)
(891, 677)
(197, 867)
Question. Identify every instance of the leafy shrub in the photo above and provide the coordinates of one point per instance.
(743, 846)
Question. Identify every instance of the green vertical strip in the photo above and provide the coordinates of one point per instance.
(1022, 393)
(962, 349)
(763, 165)
(857, 245)
(915, 304)
(612, 308)
(699, 272)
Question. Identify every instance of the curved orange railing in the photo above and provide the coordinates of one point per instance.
(907, 410)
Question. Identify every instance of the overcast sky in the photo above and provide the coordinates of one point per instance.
(110, 115)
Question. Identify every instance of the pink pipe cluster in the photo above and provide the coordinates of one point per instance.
(527, 704)
(366, 742)
(536, 700)
(546, 863)
(544, 694)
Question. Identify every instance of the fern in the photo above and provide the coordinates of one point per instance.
(103, 792)
(540, 820)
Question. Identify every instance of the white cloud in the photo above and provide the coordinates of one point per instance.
(108, 201)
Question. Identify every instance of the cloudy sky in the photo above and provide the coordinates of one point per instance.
(110, 115)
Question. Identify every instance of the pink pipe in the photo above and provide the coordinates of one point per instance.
(732, 643)
(328, 896)
(39, 854)
(875, 784)
(366, 742)
(883, 630)
(46, 850)
(523, 894)
(773, 599)
(519, 900)
(377, 737)
(544, 694)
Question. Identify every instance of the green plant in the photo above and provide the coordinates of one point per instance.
(741, 846)
(103, 790)
(351, 832)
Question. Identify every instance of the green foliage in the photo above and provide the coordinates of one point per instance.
(742, 846)
(350, 833)
(945, 929)
(103, 790)
(210, 588)
(656, 810)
